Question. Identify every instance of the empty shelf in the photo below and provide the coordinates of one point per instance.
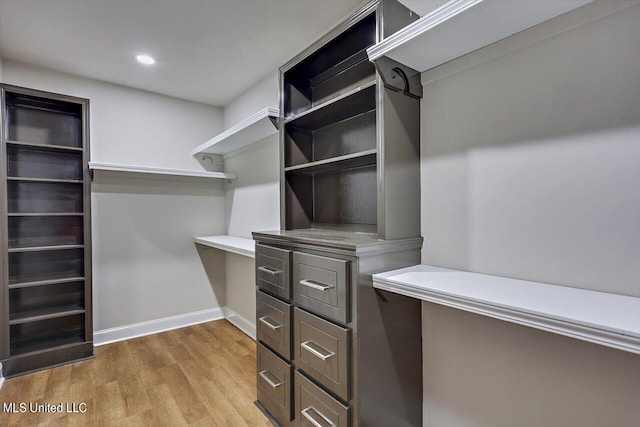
(111, 167)
(45, 248)
(603, 318)
(63, 181)
(462, 26)
(44, 314)
(253, 129)
(45, 146)
(45, 282)
(354, 102)
(362, 158)
(233, 244)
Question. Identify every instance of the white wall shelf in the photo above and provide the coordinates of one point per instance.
(111, 167)
(233, 244)
(462, 26)
(252, 129)
(610, 320)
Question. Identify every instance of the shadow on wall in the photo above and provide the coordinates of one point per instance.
(213, 263)
(527, 161)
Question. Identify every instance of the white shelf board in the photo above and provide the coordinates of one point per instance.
(607, 319)
(248, 131)
(111, 167)
(233, 244)
(463, 26)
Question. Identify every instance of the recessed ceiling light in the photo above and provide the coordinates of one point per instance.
(145, 59)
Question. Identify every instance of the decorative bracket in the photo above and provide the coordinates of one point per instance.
(399, 77)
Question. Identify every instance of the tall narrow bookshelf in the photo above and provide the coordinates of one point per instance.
(45, 231)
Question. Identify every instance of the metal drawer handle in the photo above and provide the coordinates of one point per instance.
(316, 285)
(263, 375)
(307, 346)
(269, 270)
(270, 323)
(305, 413)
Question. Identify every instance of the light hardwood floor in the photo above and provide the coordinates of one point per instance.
(203, 375)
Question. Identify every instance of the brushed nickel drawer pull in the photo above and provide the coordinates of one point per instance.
(316, 285)
(269, 270)
(307, 346)
(270, 323)
(305, 413)
(263, 375)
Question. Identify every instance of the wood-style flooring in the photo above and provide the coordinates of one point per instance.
(203, 375)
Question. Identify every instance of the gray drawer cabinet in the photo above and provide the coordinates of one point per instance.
(322, 350)
(273, 267)
(273, 323)
(321, 285)
(274, 383)
(316, 408)
(365, 370)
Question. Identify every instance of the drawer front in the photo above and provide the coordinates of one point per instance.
(274, 385)
(273, 321)
(322, 350)
(314, 407)
(322, 285)
(272, 270)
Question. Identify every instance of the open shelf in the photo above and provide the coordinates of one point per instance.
(27, 267)
(463, 26)
(607, 319)
(332, 70)
(348, 161)
(44, 248)
(44, 314)
(233, 244)
(59, 181)
(46, 282)
(43, 197)
(46, 334)
(33, 214)
(358, 100)
(45, 231)
(112, 167)
(43, 146)
(253, 129)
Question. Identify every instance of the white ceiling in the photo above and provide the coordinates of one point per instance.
(206, 50)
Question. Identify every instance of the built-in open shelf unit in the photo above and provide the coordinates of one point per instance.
(45, 280)
(233, 244)
(147, 170)
(462, 26)
(345, 136)
(250, 130)
(602, 318)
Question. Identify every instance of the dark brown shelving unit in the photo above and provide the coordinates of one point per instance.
(332, 350)
(45, 232)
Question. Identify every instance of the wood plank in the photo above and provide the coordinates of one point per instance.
(203, 375)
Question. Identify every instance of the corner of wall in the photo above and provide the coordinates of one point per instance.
(1, 377)
(0, 76)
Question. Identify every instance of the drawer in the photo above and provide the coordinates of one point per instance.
(273, 321)
(314, 407)
(272, 270)
(321, 284)
(321, 349)
(274, 385)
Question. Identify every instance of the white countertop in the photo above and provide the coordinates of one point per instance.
(608, 319)
(233, 244)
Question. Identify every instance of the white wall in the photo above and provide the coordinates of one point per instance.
(530, 169)
(146, 265)
(253, 203)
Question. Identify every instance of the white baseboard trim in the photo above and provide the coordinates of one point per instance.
(121, 333)
(240, 322)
